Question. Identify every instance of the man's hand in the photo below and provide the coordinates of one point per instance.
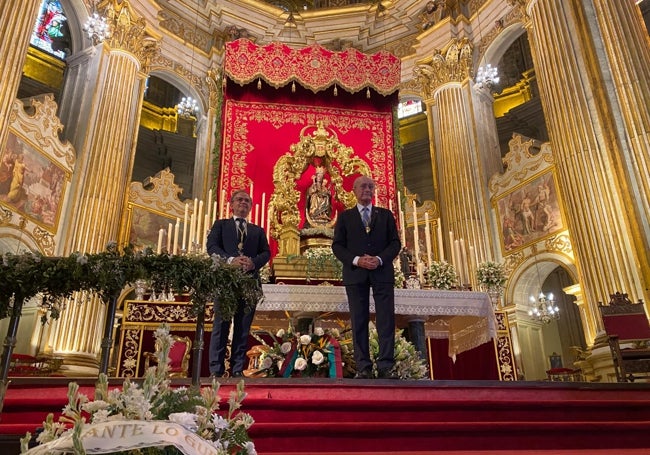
(368, 262)
(244, 262)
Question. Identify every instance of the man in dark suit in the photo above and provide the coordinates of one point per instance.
(366, 242)
(245, 245)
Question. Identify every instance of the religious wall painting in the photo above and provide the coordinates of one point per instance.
(31, 183)
(529, 213)
(144, 227)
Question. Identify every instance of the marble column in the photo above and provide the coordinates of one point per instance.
(459, 150)
(591, 61)
(16, 25)
(106, 147)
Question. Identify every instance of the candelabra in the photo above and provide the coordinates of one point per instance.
(188, 107)
(544, 308)
(487, 76)
(97, 27)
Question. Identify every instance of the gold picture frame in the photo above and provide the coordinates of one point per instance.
(530, 212)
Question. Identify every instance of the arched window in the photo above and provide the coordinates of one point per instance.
(51, 33)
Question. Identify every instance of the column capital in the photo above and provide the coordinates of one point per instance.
(128, 31)
(454, 64)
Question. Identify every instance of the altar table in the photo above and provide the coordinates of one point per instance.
(465, 318)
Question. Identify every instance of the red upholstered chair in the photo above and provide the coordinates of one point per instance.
(179, 357)
(628, 333)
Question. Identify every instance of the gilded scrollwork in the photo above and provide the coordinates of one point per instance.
(561, 243)
(130, 352)
(321, 147)
(45, 240)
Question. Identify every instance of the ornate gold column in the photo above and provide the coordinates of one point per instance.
(103, 171)
(600, 140)
(461, 164)
(16, 25)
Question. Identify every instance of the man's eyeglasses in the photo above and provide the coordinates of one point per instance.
(242, 199)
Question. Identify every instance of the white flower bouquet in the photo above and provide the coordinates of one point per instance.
(491, 276)
(165, 418)
(442, 275)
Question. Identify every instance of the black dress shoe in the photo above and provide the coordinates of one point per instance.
(364, 374)
(387, 373)
(238, 374)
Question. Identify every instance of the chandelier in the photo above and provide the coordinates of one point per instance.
(97, 27)
(188, 107)
(487, 76)
(544, 308)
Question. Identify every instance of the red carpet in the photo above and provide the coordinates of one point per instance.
(344, 416)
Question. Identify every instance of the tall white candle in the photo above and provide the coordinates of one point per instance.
(427, 236)
(472, 268)
(400, 219)
(227, 209)
(463, 260)
(177, 228)
(185, 226)
(190, 240)
(251, 190)
(222, 207)
(160, 240)
(376, 198)
(193, 220)
(204, 239)
(170, 230)
(457, 263)
(214, 213)
(441, 248)
(390, 205)
(416, 235)
(262, 210)
(452, 247)
(199, 224)
(208, 207)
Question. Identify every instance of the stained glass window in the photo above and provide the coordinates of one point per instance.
(51, 33)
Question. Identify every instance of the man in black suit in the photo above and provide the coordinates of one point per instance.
(245, 245)
(366, 242)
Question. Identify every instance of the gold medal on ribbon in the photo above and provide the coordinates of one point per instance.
(367, 229)
(240, 246)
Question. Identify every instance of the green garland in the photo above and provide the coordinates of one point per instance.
(108, 273)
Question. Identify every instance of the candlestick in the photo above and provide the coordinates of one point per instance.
(160, 240)
(177, 228)
(427, 237)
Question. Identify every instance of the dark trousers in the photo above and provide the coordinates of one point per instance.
(242, 321)
(359, 304)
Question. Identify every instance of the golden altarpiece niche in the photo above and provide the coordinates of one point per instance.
(330, 161)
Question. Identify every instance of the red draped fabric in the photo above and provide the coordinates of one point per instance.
(273, 93)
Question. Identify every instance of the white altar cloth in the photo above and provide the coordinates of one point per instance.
(466, 318)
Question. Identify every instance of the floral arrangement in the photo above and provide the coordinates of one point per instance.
(491, 276)
(109, 272)
(166, 418)
(313, 355)
(442, 275)
(296, 355)
(321, 260)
